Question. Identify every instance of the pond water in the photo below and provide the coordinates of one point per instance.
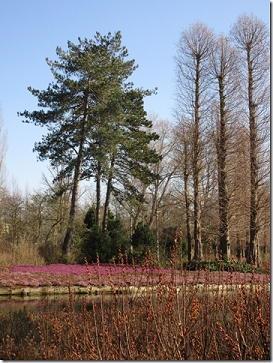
(39, 303)
(50, 302)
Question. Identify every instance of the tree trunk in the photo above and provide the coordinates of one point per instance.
(98, 194)
(138, 211)
(238, 248)
(108, 195)
(76, 179)
(198, 253)
(72, 211)
(154, 204)
(187, 202)
(222, 178)
(253, 229)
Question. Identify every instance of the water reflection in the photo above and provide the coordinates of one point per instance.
(52, 302)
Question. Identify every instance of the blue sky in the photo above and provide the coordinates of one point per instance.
(30, 30)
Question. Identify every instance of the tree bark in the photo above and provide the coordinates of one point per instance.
(98, 194)
(76, 179)
(198, 252)
(154, 204)
(223, 199)
(108, 195)
(253, 229)
(187, 201)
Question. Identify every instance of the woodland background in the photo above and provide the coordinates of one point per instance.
(126, 185)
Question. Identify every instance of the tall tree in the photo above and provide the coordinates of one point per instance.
(130, 152)
(224, 72)
(192, 60)
(183, 153)
(164, 169)
(251, 37)
(85, 78)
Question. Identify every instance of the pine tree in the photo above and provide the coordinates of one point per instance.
(97, 126)
(131, 155)
(86, 77)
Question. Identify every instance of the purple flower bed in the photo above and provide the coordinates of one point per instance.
(102, 269)
(116, 275)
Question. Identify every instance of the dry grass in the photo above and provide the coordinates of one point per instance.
(22, 253)
(166, 325)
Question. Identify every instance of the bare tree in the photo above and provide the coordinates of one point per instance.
(194, 50)
(208, 189)
(251, 37)
(183, 157)
(238, 186)
(224, 71)
(164, 169)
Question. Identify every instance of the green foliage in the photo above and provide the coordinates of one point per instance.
(105, 245)
(95, 244)
(88, 80)
(91, 113)
(143, 236)
(168, 246)
(143, 242)
(95, 120)
(90, 217)
(117, 234)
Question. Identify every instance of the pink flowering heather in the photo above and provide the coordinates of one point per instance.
(116, 275)
(102, 269)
